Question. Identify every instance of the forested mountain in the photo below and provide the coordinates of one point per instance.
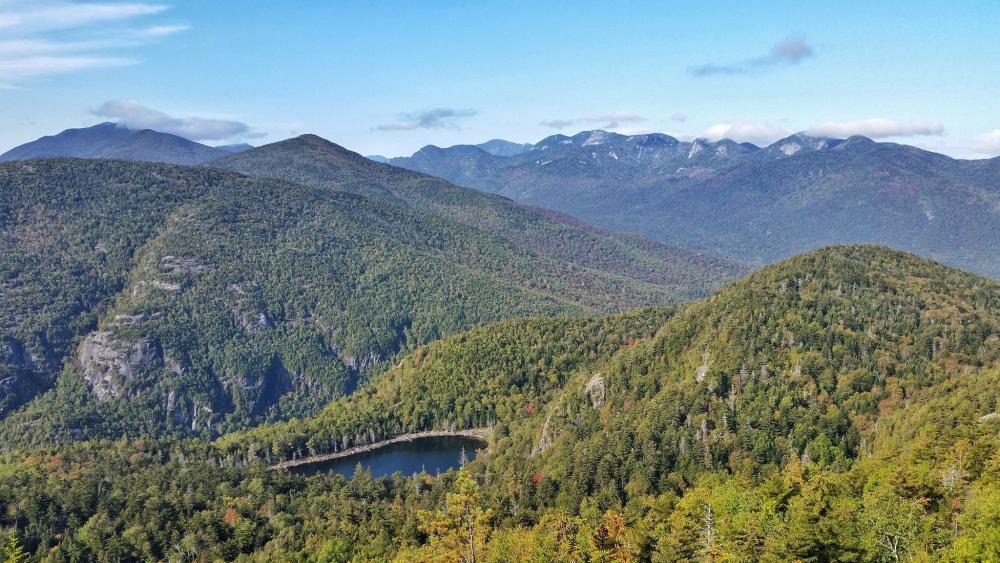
(188, 300)
(314, 161)
(115, 141)
(840, 405)
(759, 204)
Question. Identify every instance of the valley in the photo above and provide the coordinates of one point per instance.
(811, 408)
(726, 309)
(295, 338)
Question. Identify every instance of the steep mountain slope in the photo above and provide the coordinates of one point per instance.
(314, 161)
(757, 204)
(799, 360)
(110, 140)
(843, 333)
(838, 406)
(192, 300)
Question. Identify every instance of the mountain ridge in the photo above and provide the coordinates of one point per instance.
(164, 299)
(757, 203)
(312, 160)
(115, 141)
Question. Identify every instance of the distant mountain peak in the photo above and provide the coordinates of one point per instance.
(596, 138)
(109, 140)
(745, 201)
(660, 138)
(312, 138)
(799, 143)
(859, 140)
(235, 148)
(504, 148)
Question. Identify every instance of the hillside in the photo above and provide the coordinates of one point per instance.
(313, 161)
(168, 299)
(114, 141)
(843, 328)
(738, 200)
(840, 405)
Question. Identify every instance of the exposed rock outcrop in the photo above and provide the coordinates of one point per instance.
(109, 364)
(255, 322)
(545, 439)
(165, 286)
(361, 365)
(699, 375)
(596, 391)
(175, 265)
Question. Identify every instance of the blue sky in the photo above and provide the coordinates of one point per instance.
(389, 77)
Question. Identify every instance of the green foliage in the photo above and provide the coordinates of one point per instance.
(494, 375)
(840, 406)
(313, 161)
(170, 300)
(12, 550)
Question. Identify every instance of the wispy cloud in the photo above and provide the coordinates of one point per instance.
(789, 51)
(44, 15)
(745, 131)
(137, 116)
(53, 37)
(437, 118)
(876, 128)
(612, 120)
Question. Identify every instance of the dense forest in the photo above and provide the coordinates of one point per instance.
(148, 299)
(838, 406)
(314, 161)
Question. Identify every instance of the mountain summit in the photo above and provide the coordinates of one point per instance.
(115, 141)
(760, 204)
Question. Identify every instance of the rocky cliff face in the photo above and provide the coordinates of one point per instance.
(109, 365)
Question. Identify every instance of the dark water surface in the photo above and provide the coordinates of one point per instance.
(425, 454)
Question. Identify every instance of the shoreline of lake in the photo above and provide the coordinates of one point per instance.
(480, 434)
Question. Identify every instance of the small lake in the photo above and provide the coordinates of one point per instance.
(425, 454)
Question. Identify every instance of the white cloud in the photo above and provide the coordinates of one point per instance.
(26, 67)
(45, 15)
(437, 118)
(789, 51)
(678, 117)
(14, 48)
(613, 120)
(53, 37)
(137, 116)
(157, 31)
(988, 143)
(876, 128)
(745, 131)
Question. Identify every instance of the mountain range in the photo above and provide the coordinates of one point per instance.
(115, 141)
(172, 337)
(169, 299)
(740, 200)
(750, 204)
(495, 147)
